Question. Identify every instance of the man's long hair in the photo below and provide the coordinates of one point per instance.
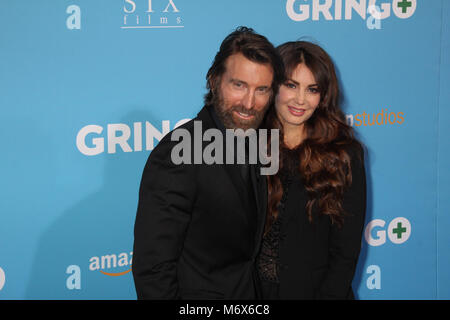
(254, 47)
(324, 160)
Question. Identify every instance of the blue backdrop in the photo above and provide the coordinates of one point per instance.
(89, 87)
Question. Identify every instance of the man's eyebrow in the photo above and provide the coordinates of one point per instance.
(245, 83)
(237, 80)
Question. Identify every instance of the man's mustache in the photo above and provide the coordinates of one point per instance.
(240, 108)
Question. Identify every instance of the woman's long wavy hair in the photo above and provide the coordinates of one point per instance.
(324, 161)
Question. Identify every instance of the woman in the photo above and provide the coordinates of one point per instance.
(316, 205)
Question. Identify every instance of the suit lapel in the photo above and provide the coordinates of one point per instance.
(232, 170)
(242, 192)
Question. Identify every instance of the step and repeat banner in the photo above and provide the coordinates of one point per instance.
(89, 87)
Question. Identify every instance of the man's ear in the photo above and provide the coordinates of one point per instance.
(212, 83)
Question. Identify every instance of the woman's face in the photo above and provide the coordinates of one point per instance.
(297, 98)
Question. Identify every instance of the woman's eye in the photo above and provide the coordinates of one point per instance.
(313, 90)
(290, 85)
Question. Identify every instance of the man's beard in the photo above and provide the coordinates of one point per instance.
(225, 113)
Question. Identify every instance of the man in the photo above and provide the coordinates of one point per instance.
(198, 227)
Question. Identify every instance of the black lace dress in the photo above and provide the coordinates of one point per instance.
(268, 262)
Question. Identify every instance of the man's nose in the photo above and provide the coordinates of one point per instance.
(249, 100)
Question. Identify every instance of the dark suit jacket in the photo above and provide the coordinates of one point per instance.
(318, 259)
(197, 230)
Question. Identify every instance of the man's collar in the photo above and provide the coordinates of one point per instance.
(215, 117)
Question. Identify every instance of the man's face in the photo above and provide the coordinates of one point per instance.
(243, 93)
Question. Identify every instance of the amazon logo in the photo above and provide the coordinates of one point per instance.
(110, 264)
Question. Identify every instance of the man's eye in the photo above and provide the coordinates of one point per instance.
(238, 84)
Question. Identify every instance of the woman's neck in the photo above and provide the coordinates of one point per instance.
(293, 135)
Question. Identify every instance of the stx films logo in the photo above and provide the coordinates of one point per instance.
(372, 10)
(151, 14)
